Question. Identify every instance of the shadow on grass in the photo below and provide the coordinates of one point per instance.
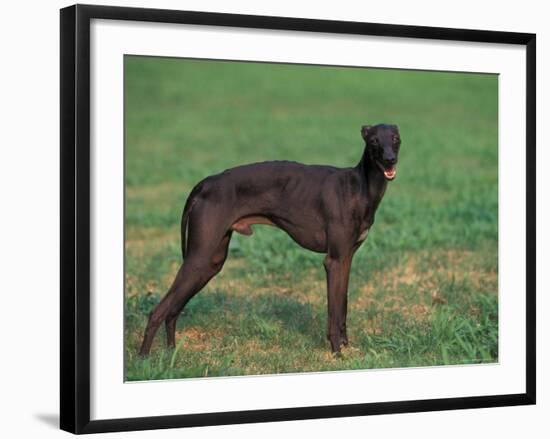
(263, 317)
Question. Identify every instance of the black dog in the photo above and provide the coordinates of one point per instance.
(323, 208)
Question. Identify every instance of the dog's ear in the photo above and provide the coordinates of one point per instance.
(365, 131)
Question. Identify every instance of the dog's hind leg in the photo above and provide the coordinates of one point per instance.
(217, 261)
(201, 264)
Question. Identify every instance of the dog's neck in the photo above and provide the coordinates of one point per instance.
(373, 177)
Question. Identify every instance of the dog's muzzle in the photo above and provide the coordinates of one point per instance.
(389, 172)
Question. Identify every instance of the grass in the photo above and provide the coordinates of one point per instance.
(423, 288)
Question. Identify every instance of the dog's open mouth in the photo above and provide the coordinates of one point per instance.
(389, 172)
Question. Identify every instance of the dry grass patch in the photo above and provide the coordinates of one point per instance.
(196, 339)
(426, 271)
(149, 239)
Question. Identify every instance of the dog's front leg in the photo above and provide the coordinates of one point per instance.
(337, 269)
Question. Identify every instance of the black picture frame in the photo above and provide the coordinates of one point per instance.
(75, 217)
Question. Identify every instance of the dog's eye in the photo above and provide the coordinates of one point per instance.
(374, 142)
(396, 139)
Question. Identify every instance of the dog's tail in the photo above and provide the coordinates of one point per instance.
(184, 219)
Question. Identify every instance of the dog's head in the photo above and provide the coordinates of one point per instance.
(382, 143)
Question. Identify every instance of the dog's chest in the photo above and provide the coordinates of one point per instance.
(363, 235)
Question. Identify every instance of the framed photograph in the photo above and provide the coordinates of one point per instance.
(274, 218)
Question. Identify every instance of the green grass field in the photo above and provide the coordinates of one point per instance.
(423, 287)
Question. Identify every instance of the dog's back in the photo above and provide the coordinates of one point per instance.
(264, 185)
